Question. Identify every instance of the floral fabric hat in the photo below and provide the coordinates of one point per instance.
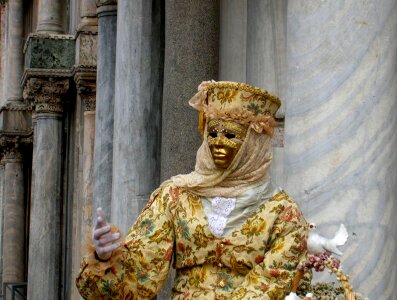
(240, 102)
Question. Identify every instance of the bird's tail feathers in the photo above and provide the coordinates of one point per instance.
(341, 236)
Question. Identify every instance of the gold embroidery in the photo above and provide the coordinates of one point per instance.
(257, 93)
(223, 141)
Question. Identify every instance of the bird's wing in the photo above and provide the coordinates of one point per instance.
(341, 236)
(330, 246)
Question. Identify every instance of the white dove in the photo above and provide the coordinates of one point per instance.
(292, 296)
(317, 244)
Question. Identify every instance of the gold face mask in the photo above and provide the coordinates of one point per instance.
(224, 140)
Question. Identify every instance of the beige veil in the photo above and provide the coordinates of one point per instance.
(244, 104)
(249, 167)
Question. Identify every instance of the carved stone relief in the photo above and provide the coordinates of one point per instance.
(85, 78)
(87, 47)
(45, 93)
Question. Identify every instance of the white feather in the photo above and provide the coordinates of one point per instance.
(341, 236)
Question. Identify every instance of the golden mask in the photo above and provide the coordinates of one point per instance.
(224, 140)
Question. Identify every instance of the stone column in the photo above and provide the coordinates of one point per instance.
(3, 55)
(2, 179)
(266, 45)
(341, 122)
(14, 63)
(88, 161)
(88, 14)
(45, 231)
(191, 56)
(136, 158)
(106, 62)
(13, 217)
(50, 16)
(85, 78)
(233, 40)
(253, 50)
(267, 64)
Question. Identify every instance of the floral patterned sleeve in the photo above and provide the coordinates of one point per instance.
(272, 276)
(139, 267)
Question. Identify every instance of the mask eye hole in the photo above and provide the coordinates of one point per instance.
(213, 134)
(230, 135)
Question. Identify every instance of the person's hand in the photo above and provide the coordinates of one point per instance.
(103, 239)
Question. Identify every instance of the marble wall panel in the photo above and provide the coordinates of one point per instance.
(59, 52)
(341, 119)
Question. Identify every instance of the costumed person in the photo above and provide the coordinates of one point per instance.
(232, 232)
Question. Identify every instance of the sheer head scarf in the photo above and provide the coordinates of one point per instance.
(233, 101)
(250, 166)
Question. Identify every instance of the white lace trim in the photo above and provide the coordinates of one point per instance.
(221, 208)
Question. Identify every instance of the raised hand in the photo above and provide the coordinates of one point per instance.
(102, 237)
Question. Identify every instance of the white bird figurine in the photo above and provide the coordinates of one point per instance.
(292, 296)
(317, 244)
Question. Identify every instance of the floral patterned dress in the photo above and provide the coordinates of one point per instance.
(256, 261)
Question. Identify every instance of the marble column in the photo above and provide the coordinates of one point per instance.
(191, 56)
(13, 246)
(267, 64)
(266, 45)
(85, 78)
(88, 14)
(15, 58)
(341, 122)
(88, 168)
(3, 56)
(86, 86)
(253, 50)
(2, 178)
(103, 148)
(233, 40)
(45, 215)
(50, 16)
(137, 112)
